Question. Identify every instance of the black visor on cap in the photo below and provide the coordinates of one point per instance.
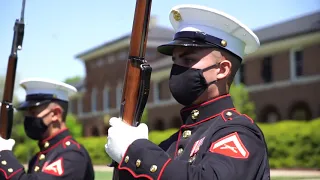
(190, 39)
(29, 104)
(34, 100)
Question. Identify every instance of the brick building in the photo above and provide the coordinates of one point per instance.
(283, 77)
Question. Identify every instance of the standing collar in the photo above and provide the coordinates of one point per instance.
(206, 110)
(53, 140)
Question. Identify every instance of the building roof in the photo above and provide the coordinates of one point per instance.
(155, 33)
(297, 26)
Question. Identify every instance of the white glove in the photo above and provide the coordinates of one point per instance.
(6, 144)
(121, 135)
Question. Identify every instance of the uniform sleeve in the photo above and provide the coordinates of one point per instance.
(145, 159)
(67, 165)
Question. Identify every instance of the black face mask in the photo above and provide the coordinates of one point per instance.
(35, 127)
(187, 84)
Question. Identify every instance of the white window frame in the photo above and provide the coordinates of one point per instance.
(80, 106)
(156, 98)
(94, 99)
(106, 99)
(293, 73)
(119, 94)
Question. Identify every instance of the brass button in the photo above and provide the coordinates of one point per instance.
(180, 151)
(186, 134)
(42, 156)
(194, 114)
(36, 168)
(229, 113)
(46, 144)
(10, 170)
(126, 159)
(68, 143)
(138, 163)
(176, 15)
(153, 168)
(224, 43)
(4, 162)
(192, 159)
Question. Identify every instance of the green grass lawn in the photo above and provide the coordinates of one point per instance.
(102, 175)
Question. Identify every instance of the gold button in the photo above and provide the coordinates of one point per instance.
(194, 114)
(10, 170)
(186, 134)
(126, 159)
(138, 163)
(42, 156)
(229, 113)
(153, 168)
(176, 15)
(224, 43)
(4, 162)
(36, 168)
(180, 151)
(68, 143)
(46, 144)
(192, 159)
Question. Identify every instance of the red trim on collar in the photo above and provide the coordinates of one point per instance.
(55, 145)
(12, 174)
(205, 103)
(196, 123)
(54, 135)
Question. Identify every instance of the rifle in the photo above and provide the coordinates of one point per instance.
(137, 76)
(6, 113)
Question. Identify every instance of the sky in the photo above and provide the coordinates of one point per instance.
(58, 30)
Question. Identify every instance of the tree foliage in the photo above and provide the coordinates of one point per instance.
(74, 126)
(73, 80)
(242, 101)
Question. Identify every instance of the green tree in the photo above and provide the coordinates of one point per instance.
(73, 80)
(242, 101)
(74, 126)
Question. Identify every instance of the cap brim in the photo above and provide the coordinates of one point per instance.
(167, 49)
(29, 104)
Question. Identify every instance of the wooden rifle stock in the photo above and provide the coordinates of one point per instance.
(6, 113)
(137, 76)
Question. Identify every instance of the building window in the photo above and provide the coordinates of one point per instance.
(95, 131)
(159, 124)
(70, 106)
(100, 62)
(156, 92)
(80, 107)
(122, 55)
(94, 100)
(106, 99)
(296, 63)
(241, 74)
(111, 58)
(119, 94)
(300, 111)
(267, 69)
(269, 114)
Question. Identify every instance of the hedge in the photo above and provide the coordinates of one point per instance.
(291, 144)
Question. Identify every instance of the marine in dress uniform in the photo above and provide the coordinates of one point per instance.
(60, 155)
(215, 141)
